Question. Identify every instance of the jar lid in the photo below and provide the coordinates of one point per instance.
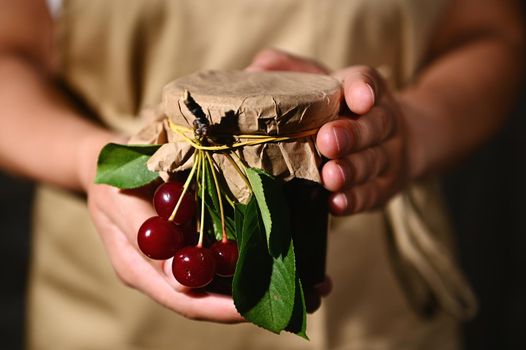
(271, 103)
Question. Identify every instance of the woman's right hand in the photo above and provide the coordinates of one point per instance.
(117, 216)
(43, 137)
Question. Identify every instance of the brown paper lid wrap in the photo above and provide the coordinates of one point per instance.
(264, 103)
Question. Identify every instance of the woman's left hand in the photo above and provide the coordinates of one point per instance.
(367, 146)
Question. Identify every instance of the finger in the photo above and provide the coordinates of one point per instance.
(128, 225)
(343, 136)
(362, 86)
(312, 301)
(119, 248)
(127, 210)
(354, 169)
(194, 305)
(277, 60)
(360, 198)
(165, 266)
(324, 288)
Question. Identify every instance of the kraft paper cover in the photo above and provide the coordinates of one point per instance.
(264, 103)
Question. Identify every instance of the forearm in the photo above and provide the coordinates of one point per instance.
(459, 101)
(42, 136)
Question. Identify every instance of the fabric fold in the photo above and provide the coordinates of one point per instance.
(424, 264)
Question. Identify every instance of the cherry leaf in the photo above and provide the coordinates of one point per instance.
(124, 166)
(264, 286)
(274, 210)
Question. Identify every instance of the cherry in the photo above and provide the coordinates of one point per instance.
(165, 198)
(159, 238)
(194, 267)
(226, 254)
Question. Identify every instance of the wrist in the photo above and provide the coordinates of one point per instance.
(413, 115)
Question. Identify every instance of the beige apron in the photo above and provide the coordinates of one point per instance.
(117, 55)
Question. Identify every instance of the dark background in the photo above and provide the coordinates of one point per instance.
(487, 200)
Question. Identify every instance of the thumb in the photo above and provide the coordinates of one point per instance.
(277, 60)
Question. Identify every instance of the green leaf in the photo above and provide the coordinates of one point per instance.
(216, 224)
(210, 187)
(124, 166)
(298, 320)
(239, 215)
(264, 287)
(274, 210)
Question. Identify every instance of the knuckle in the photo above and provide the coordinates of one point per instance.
(365, 160)
(376, 124)
(360, 163)
(355, 202)
(358, 133)
(349, 171)
(373, 128)
(385, 123)
(382, 160)
(370, 156)
(379, 159)
(363, 198)
(350, 135)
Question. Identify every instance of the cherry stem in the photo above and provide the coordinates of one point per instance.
(216, 183)
(229, 200)
(238, 169)
(202, 223)
(185, 187)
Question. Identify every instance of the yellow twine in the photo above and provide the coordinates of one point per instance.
(254, 139)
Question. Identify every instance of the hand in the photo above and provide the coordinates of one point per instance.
(277, 60)
(117, 215)
(366, 148)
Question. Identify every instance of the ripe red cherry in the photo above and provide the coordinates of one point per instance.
(226, 254)
(159, 238)
(165, 198)
(194, 267)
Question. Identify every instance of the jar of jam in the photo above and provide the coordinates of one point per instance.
(286, 107)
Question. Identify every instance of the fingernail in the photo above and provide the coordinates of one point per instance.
(371, 90)
(342, 139)
(341, 174)
(340, 202)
